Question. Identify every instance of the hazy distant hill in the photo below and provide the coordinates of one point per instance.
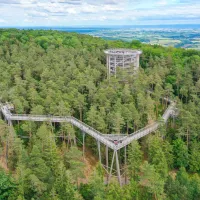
(183, 35)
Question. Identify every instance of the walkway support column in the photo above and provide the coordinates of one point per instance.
(125, 163)
(7, 142)
(83, 144)
(107, 163)
(108, 70)
(99, 150)
(115, 67)
(111, 167)
(118, 169)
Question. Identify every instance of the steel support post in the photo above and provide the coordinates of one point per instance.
(125, 163)
(115, 68)
(123, 61)
(7, 151)
(18, 124)
(108, 65)
(9, 123)
(83, 144)
(107, 162)
(137, 61)
(118, 168)
(173, 119)
(111, 167)
(7, 142)
(99, 150)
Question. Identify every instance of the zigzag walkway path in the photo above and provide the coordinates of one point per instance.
(112, 141)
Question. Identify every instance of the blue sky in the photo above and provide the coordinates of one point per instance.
(98, 12)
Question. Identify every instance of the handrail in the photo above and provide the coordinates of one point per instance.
(124, 140)
(87, 126)
(144, 128)
(148, 129)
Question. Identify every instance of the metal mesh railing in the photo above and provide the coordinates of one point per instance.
(104, 138)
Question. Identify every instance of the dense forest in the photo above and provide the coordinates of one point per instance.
(58, 73)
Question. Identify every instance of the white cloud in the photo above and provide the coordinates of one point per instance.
(86, 11)
(72, 2)
(2, 21)
(86, 8)
(112, 8)
(162, 2)
(111, 1)
(71, 11)
(9, 2)
(28, 20)
(103, 18)
(27, 1)
(35, 13)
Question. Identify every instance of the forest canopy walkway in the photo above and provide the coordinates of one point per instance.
(112, 141)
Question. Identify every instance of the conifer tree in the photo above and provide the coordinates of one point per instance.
(134, 159)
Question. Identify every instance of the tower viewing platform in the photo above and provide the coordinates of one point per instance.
(125, 59)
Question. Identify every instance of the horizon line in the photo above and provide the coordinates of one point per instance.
(86, 26)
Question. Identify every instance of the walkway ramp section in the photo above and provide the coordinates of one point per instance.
(113, 141)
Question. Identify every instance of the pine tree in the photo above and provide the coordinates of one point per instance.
(62, 185)
(46, 144)
(180, 152)
(194, 157)
(156, 155)
(38, 166)
(97, 184)
(134, 159)
(73, 159)
(7, 185)
(151, 180)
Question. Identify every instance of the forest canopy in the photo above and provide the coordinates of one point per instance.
(60, 73)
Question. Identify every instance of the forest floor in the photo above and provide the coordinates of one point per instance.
(90, 163)
(173, 173)
(3, 162)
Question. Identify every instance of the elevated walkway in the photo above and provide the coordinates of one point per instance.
(112, 141)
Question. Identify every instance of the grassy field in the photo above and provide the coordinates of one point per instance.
(166, 37)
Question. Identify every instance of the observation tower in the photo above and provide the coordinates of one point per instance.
(125, 59)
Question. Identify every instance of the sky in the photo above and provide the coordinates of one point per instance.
(98, 12)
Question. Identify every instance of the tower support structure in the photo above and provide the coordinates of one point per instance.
(125, 59)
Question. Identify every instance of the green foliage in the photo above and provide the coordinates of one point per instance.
(57, 73)
(37, 164)
(115, 192)
(86, 191)
(180, 153)
(7, 185)
(74, 162)
(194, 157)
(168, 151)
(183, 186)
(151, 180)
(134, 159)
(62, 184)
(157, 155)
(97, 184)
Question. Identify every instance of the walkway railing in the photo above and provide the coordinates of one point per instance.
(107, 139)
